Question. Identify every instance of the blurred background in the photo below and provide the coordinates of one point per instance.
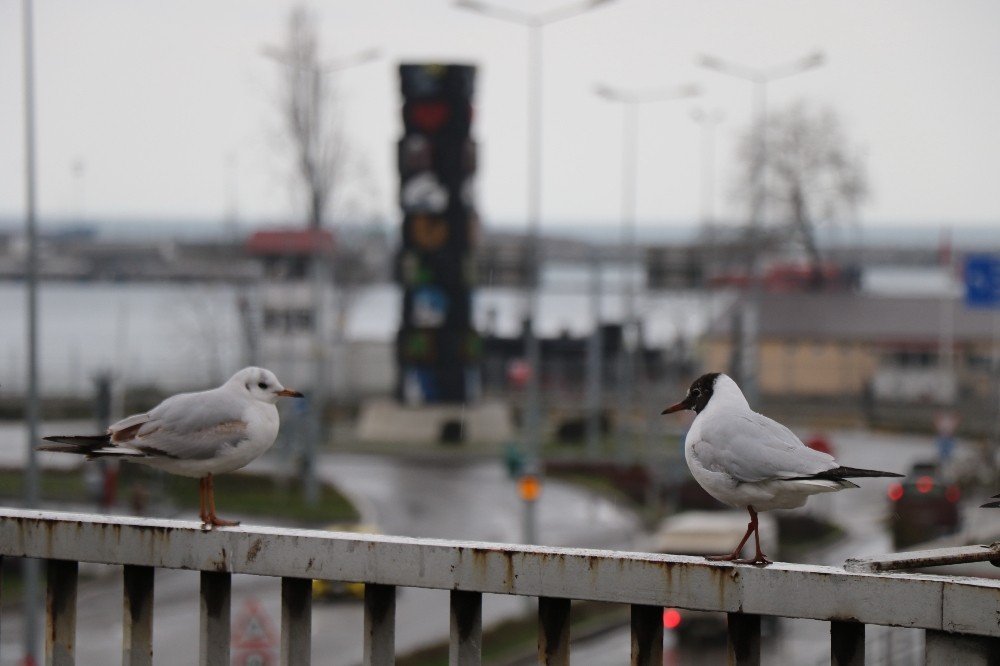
(491, 240)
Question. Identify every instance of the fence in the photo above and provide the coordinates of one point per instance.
(961, 616)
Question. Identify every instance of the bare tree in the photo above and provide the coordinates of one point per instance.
(307, 104)
(807, 175)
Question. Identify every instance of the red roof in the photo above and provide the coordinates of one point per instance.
(285, 242)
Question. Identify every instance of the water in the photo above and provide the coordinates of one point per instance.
(180, 336)
(164, 334)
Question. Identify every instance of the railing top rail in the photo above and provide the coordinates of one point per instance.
(921, 559)
(966, 605)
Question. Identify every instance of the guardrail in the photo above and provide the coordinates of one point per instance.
(961, 616)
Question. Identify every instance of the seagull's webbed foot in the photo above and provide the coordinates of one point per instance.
(214, 521)
(758, 560)
(731, 557)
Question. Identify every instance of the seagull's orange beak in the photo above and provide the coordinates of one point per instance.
(683, 404)
(289, 393)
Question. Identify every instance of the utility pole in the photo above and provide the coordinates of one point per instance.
(595, 358)
(31, 493)
(707, 121)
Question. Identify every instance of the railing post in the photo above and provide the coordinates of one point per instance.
(647, 635)
(60, 612)
(847, 643)
(465, 647)
(553, 631)
(744, 639)
(296, 621)
(137, 616)
(380, 625)
(216, 593)
(942, 648)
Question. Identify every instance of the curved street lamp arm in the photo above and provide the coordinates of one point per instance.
(544, 18)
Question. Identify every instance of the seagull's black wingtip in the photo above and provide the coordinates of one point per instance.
(857, 473)
(990, 505)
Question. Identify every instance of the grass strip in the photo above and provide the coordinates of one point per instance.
(254, 495)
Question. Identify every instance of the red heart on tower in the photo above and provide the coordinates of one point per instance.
(429, 116)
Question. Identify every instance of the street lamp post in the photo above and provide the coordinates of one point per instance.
(759, 77)
(535, 23)
(708, 121)
(319, 273)
(631, 100)
(32, 412)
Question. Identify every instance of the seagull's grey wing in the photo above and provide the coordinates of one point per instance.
(751, 447)
(191, 426)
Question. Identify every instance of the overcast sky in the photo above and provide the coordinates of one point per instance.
(165, 109)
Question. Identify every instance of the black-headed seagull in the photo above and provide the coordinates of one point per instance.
(746, 460)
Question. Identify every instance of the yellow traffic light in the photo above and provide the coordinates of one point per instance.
(529, 487)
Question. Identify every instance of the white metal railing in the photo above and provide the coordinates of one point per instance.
(961, 616)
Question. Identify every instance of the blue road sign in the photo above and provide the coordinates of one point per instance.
(982, 281)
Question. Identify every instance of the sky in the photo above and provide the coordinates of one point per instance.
(165, 110)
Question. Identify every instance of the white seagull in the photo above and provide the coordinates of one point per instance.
(194, 434)
(745, 459)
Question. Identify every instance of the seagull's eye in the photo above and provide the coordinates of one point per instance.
(262, 385)
(695, 392)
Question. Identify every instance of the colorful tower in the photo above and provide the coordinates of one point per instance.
(437, 349)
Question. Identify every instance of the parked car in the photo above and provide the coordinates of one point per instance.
(924, 506)
(333, 590)
(708, 533)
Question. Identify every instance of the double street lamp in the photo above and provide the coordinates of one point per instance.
(313, 73)
(535, 23)
(747, 365)
(760, 77)
(631, 100)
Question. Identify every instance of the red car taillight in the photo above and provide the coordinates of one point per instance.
(671, 618)
(895, 491)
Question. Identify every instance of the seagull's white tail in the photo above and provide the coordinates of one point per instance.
(825, 485)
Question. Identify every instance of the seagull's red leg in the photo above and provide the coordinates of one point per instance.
(214, 520)
(751, 526)
(202, 509)
(758, 557)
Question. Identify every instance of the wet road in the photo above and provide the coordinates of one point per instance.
(475, 500)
